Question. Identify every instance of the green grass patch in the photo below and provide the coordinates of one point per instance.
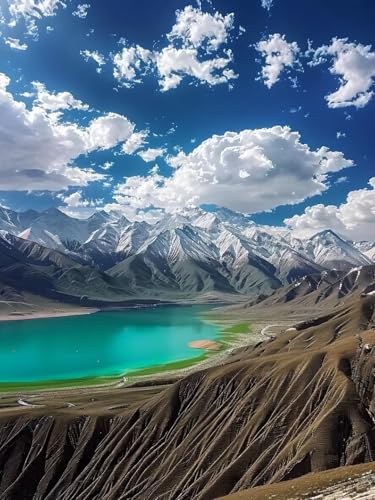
(240, 328)
(175, 365)
(230, 334)
(57, 384)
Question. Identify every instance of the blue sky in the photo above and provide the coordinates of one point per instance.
(46, 45)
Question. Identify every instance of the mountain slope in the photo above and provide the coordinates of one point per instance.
(300, 403)
(189, 252)
(332, 251)
(29, 266)
(326, 289)
(183, 258)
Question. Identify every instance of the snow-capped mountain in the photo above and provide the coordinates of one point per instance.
(367, 248)
(332, 251)
(192, 251)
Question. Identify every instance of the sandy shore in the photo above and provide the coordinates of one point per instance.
(18, 316)
(209, 345)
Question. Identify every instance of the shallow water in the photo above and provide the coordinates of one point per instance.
(100, 344)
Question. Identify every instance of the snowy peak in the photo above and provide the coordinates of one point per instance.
(329, 249)
(209, 222)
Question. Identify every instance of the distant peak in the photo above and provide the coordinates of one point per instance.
(100, 214)
(54, 211)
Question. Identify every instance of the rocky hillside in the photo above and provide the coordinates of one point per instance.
(302, 402)
(25, 265)
(326, 290)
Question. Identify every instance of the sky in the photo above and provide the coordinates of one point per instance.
(152, 107)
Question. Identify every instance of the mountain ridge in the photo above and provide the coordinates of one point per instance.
(189, 252)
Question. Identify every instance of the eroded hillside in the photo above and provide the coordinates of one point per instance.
(300, 403)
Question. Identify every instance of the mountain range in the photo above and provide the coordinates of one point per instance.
(195, 252)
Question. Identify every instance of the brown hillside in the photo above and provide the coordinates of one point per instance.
(300, 403)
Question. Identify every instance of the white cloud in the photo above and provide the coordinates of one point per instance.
(107, 165)
(267, 4)
(76, 206)
(29, 12)
(248, 171)
(38, 147)
(74, 199)
(174, 64)
(193, 40)
(78, 212)
(135, 142)
(341, 180)
(194, 28)
(34, 8)
(96, 56)
(151, 216)
(15, 43)
(131, 64)
(151, 154)
(354, 218)
(340, 134)
(279, 55)
(354, 64)
(55, 101)
(81, 10)
(109, 130)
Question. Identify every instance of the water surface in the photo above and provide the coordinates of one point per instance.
(100, 344)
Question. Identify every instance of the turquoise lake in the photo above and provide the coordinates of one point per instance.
(100, 344)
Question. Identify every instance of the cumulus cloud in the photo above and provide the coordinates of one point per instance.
(81, 11)
(248, 171)
(175, 64)
(279, 55)
(95, 56)
(354, 64)
(192, 51)
(74, 199)
(151, 154)
(109, 130)
(194, 28)
(354, 218)
(135, 142)
(55, 101)
(15, 43)
(131, 64)
(39, 147)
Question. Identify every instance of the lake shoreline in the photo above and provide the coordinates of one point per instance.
(81, 310)
(46, 314)
(120, 378)
(233, 334)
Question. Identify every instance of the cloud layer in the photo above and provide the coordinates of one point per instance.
(249, 171)
(354, 218)
(39, 147)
